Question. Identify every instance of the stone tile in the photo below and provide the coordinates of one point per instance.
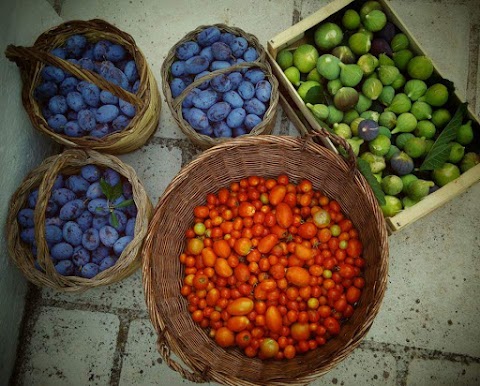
(362, 367)
(156, 164)
(126, 294)
(433, 268)
(148, 368)
(71, 347)
(424, 372)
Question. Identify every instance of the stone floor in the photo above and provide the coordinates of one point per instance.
(427, 331)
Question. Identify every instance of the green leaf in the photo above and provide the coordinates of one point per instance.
(116, 191)
(114, 219)
(364, 168)
(106, 188)
(124, 204)
(440, 150)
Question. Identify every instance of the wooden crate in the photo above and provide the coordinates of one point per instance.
(304, 121)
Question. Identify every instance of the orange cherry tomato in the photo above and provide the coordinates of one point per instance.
(194, 246)
(208, 256)
(277, 194)
(242, 273)
(243, 246)
(353, 294)
(298, 276)
(284, 215)
(222, 248)
(300, 331)
(246, 209)
(224, 337)
(222, 268)
(243, 339)
(201, 211)
(240, 306)
(267, 243)
(303, 252)
(307, 230)
(273, 319)
(238, 323)
(200, 281)
(269, 348)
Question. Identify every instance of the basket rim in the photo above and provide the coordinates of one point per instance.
(167, 339)
(42, 178)
(174, 104)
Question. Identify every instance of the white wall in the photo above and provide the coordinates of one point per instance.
(21, 149)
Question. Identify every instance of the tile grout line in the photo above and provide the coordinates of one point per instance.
(122, 337)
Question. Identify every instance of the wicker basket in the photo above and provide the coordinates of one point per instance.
(147, 101)
(175, 105)
(43, 178)
(266, 156)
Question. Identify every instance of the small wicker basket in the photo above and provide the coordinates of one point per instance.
(31, 61)
(175, 105)
(43, 178)
(267, 156)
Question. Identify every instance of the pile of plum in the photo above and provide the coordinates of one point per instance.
(78, 108)
(90, 219)
(230, 104)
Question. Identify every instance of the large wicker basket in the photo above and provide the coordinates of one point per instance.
(147, 101)
(43, 178)
(175, 105)
(267, 156)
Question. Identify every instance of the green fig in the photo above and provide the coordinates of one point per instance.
(385, 60)
(320, 111)
(400, 104)
(380, 145)
(376, 163)
(368, 7)
(349, 116)
(391, 152)
(457, 152)
(399, 82)
(360, 43)
(387, 74)
(418, 189)
(327, 36)
(415, 147)
(372, 76)
(350, 74)
(425, 129)
(415, 89)
(355, 143)
(402, 139)
(401, 59)
(399, 42)
(445, 174)
(305, 58)
(285, 59)
(408, 202)
(387, 95)
(311, 92)
(363, 103)
(351, 19)
(406, 123)
(465, 134)
(334, 115)
(468, 161)
(375, 20)
(368, 63)
(406, 180)
(345, 54)
(388, 119)
(392, 185)
(421, 110)
(436, 95)
(314, 75)
(440, 117)
(370, 114)
(346, 98)
(372, 88)
(420, 67)
(384, 131)
(328, 66)
(342, 130)
(392, 206)
(293, 75)
(333, 86)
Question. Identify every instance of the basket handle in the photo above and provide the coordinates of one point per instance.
(19, 55)
(164, 350)
(350, 158)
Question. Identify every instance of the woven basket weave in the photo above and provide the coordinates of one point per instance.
(175, 105)
(43, 178)
(267, 156)
(31, 61)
